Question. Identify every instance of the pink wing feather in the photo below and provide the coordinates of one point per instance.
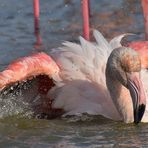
(28, 67)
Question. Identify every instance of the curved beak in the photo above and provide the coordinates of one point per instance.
(136, 89)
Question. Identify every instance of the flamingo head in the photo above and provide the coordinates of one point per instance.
(124, 66)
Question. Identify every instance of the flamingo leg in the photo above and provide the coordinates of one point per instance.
(36, 23)
(85, 13)
(36, 14)
(145, 13)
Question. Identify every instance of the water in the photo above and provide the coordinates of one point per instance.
(61, 20)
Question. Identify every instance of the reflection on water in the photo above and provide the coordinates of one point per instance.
(61, 20)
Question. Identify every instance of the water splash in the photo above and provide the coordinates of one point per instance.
(16, 99)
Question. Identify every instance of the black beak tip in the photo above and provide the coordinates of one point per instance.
(138, 113)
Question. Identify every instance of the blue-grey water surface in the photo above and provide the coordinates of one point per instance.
(61, 20)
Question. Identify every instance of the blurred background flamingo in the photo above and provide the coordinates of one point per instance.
(86, 23)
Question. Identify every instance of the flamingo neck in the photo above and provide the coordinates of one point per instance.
(122, 99)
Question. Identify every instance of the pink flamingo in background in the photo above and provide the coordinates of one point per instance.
(86, 24)
(102, 78)
(85, 14)
(142, 46)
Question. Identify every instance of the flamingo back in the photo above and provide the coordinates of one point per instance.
(82, 72)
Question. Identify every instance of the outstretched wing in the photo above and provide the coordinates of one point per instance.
(85, 61)
(27, 67)
(35, 75)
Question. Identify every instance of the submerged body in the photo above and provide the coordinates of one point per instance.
(78, 72)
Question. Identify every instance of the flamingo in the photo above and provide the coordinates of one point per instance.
(102, 78)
